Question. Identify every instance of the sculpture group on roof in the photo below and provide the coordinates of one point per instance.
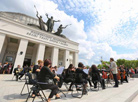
(50, 24)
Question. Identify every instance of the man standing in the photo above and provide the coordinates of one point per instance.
(113, 69)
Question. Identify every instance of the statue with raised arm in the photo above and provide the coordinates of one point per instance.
(41, 22)
(50, 23)
(60, 29)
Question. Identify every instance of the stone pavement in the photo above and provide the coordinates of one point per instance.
(135, 99)
(10, 92)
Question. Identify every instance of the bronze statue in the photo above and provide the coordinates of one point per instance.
(41, 22)
(50, 23)
(60, 28)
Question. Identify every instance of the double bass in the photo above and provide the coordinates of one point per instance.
(124, 74)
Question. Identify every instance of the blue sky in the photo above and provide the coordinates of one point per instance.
(107, 28)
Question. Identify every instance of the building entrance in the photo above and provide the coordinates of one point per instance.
(27, 62)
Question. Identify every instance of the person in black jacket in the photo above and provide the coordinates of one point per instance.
(18, 72)
(70, 75)
(36, 69)
(45, 76)
(127, 71)
(81, 77)
(96, 77)
(123, 77)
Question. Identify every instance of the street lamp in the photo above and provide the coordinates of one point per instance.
(101, 61)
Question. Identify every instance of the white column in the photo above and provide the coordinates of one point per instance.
(34, 54)
(20, 57)
(2, 39)
(66, 58)
(40, 53)
(55, 52)
(3, 50)
(75, 59)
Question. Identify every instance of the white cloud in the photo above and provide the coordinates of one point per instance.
(110, 16)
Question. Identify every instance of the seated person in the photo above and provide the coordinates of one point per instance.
(5, 68)
(36, 69)
(31, 68)
(27, 69)
(123, 75)
(81, 77)
(70, 75)
(88, 78)
(1, 68)
(44, 76)
(57, 82)
(96, 77)
(18, 72)
(55, 69)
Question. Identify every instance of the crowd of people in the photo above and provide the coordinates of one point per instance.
(6, 68)
(44, 72)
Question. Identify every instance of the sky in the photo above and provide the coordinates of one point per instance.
(107, 28)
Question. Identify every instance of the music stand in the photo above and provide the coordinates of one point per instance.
(59, 72)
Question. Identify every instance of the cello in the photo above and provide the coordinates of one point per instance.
(118, 75)
(124, 74)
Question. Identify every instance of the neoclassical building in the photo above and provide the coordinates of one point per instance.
(22, 44)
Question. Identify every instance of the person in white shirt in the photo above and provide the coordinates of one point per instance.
(113, 69)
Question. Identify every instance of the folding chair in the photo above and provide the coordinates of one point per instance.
(13, 77)
(28, 77)
(105, 76)
(96, 79)
(78, 93)
(98, 84)
(78, 85)
(36, 88)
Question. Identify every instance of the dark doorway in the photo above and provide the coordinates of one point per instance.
(27, 62)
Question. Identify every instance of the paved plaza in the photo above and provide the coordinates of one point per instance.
(10, 92)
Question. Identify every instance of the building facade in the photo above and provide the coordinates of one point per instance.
(22, 44)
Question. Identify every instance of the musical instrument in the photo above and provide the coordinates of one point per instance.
(111, 75)
(123, 74)
(104, 76)
(118, 75)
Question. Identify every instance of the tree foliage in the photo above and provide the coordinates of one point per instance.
(126, 63)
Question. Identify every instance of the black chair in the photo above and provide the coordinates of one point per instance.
(13, 76)
(78, 93)
(28, 81)
(96, 80)
(108, 81)
(78, 86)
(37, 89)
